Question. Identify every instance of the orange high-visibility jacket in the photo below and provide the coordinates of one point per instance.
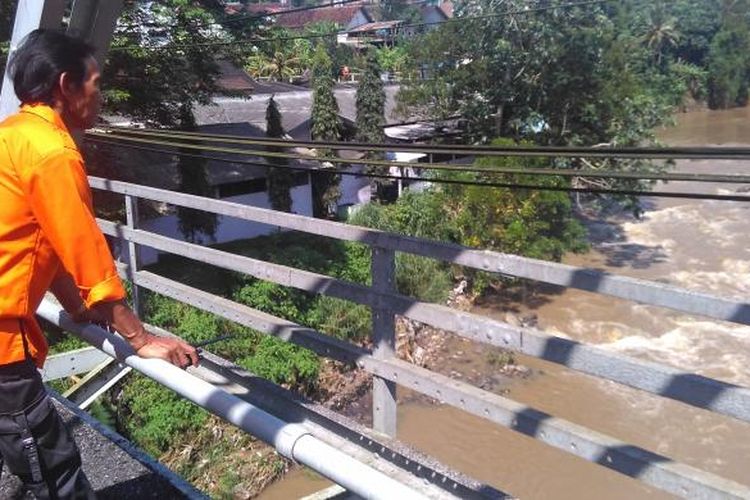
(47, 225)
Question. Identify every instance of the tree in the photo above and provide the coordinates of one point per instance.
(326, 126)
(279, 60)
(661, 33)
(569, 76)
(371, 119)
(7, 15)
(729, 57)
(161, 85)
(194, 224)
(279, 178)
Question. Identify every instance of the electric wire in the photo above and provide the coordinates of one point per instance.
(668, 153)
(563, 172)
(438, 180)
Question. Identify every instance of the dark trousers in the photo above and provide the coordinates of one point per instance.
(34, 443)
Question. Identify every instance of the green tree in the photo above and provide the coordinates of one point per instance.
(661, 32)
(729, 57)
(7, 15)
(370, 103)
(195, 225)
(569, 76)
(325, 126)
(279, 178)
(160, 86)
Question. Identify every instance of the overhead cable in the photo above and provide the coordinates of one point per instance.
(437, 180)
(652, 153)
(473, 168)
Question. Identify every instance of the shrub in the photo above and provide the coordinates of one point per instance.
(155, 415)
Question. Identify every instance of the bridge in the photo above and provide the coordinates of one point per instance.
(245, 400)
(372, 462)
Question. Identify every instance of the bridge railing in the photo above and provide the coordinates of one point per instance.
(385, 303)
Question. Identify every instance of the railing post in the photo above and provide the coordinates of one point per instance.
(131, 214)
(384, 341)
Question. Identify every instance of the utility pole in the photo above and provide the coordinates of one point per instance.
(93, 20)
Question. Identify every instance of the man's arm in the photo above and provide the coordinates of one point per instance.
(124, 320)
(66, 291)
(60, 198)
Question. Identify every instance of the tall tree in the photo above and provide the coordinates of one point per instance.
(7, 14)
(729, 57)
(326, 126)
(161, 85)
(569, 75)
(371, 119)
(197, 226)
(279, 178)
(661, 33)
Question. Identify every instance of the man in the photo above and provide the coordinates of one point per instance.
(49, 240)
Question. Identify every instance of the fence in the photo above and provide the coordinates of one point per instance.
(385, 303)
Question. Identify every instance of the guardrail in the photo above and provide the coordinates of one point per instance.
(653, 469)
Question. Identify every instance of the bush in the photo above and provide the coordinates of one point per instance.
(341, 319)
(283, 363)
(156, 415)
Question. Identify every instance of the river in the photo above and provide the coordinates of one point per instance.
(699, 245)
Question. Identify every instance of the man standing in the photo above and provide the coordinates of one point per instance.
(49, 240)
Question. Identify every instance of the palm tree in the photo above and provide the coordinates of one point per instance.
(280, 65)
(661, 32)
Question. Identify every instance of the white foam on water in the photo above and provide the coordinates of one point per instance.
(713, 349)
(690, 228)
(733, 280)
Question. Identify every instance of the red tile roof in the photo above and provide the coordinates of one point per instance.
(447, 8)
(340, 15)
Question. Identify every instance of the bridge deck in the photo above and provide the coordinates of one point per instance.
(114, 466)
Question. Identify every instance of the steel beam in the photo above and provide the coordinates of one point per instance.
(30, 15)
(653, 469)
(96, 382)
(384, 341)
(95, 21)
(647, 292)
(72, 363)
(692, 389)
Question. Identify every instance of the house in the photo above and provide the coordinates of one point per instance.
(374, 33)
(345, 16)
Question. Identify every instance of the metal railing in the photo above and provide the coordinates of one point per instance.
(385, 303)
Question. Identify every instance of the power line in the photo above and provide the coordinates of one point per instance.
(506, 185)
(568, 172)
(653, 153)
(507, 13)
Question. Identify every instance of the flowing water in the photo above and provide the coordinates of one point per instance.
(699, 245)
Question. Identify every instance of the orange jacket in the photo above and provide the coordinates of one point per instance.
(46, 220)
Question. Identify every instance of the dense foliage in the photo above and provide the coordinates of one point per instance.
(370, 102)
(325, 126)
(599, 75)
(279, 178)
(7, 12)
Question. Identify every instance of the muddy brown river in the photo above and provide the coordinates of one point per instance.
(699, 245)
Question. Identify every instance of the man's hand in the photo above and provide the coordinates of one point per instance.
(176, 351)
